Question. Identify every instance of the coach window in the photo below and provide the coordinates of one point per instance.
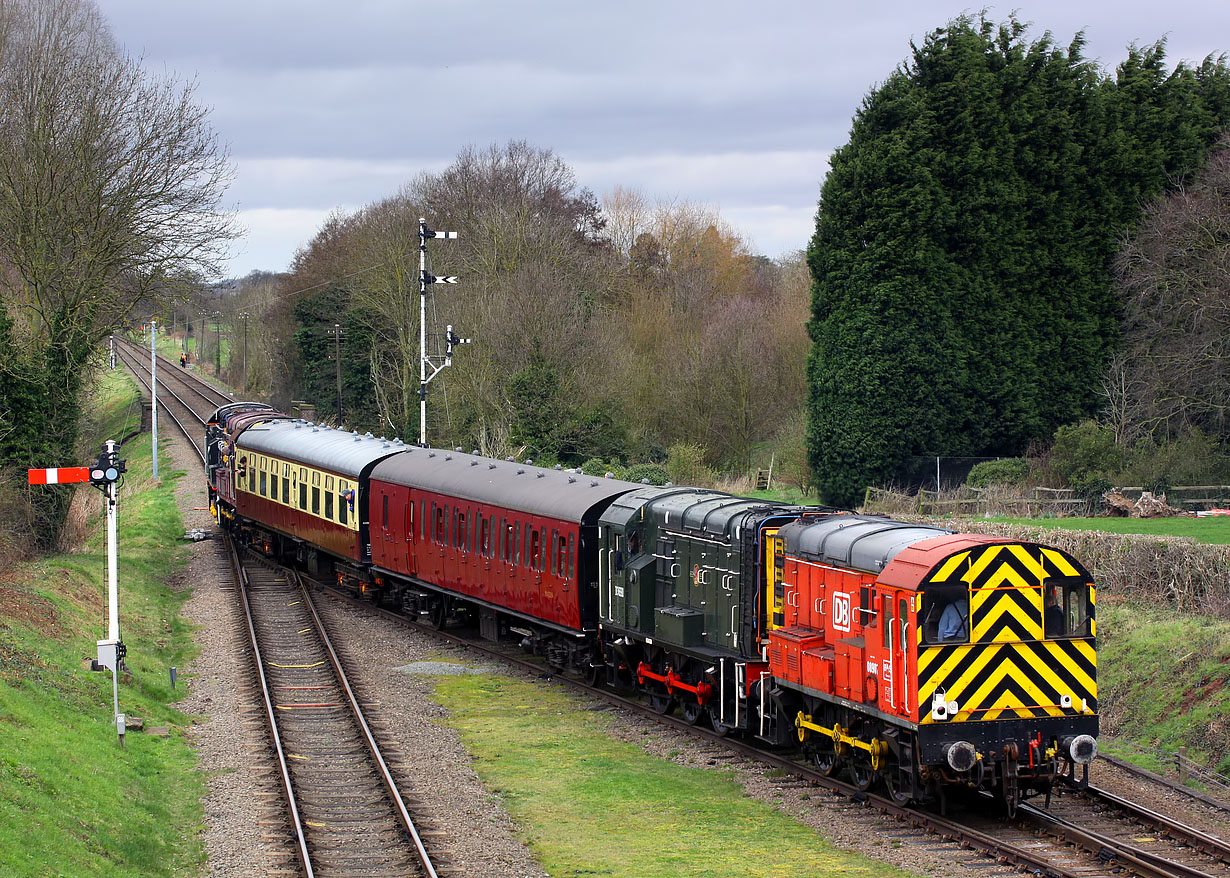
(510, 542)
(328, 504)
(535, 542)
(572, 556)
(484, 545)
(525, 547)
(461, 529)
(342, 510)
(273, 482)
(423, 518)
(556, 568)
(285, 487)
(303, 495)
(264, 483)
(315, 501)
(542, 557)
(516, 543)
(437, 527)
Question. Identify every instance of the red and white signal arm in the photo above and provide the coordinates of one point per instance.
(61, 475)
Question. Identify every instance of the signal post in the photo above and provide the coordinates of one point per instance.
(104, 474)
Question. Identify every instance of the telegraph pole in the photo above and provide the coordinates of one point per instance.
(244, 317)
(337, 332)
(424, 361)
(153, 383)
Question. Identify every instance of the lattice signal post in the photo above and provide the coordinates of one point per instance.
(450, 339)
(104, 474)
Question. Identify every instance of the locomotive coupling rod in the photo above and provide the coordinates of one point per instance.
(876, 747)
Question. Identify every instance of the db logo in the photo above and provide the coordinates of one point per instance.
(841, 611)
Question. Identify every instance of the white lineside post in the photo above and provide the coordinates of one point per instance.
(110, 651)
(112, 359)
(424, 360)
(153, 383)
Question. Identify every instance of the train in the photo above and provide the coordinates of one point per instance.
(902, 656)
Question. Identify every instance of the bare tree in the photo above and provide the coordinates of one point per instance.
(1175, 277)
(110, 183)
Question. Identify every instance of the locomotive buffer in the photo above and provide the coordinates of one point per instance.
(104, 474)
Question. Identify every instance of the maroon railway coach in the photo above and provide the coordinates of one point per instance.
(515, 540)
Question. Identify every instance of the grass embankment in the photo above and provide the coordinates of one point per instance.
(588, 803)
(1162, 684)
(73, 803)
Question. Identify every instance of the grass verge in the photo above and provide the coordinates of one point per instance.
(1162, 684)
(587, 803)
(72, 803)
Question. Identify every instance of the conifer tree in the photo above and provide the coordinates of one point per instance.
(962, 302)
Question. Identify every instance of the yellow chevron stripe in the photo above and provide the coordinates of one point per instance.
(955, 689)
(990, 696)
(950, 567)
(1032, 564)
(984, 561)
(1060, 562)
(1056, 656)
(997, 604)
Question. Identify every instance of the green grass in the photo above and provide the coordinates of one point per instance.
(589, 804)
(1162, 683)
(72, 802)
(1210, 529)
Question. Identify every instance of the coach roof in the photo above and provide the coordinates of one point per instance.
(523, 487)
(316, 446)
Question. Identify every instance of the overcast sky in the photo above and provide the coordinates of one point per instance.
(333, 105)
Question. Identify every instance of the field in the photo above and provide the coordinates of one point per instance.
(1210, 529)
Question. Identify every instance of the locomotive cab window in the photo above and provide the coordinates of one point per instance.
(866, 609)
(945, 615)
(1065, 609)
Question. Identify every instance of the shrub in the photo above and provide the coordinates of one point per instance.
(1084, 451)
(1009, 471)
(685, 463)
(656, 473)
(1189, 459)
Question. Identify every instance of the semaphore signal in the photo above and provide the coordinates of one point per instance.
(426, 278)
(104, 474)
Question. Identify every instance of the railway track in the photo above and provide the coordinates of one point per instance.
(1086, 833)
(345, 810)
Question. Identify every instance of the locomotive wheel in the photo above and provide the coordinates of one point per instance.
(692, 712)
(861, 775)
(720, 728)
(893, 781)
(826, 761)
(438, 615)
(663, 704)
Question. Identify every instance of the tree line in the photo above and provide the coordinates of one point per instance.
(611, 330)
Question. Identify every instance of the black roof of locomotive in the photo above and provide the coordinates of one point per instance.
(316, 445)
(523, 487)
